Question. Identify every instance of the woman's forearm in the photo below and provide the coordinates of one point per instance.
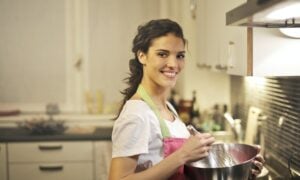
(163, 170)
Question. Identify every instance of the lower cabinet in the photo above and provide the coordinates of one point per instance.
(102, 154)
(3, 162)
(62, 160)
(46, 171)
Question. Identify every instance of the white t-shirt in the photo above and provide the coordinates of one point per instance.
(137, 132)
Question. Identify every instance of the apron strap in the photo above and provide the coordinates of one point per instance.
(145, 96)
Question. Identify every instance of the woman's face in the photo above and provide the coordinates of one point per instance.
(164, 61)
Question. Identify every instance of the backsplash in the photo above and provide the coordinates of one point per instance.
(279, 100)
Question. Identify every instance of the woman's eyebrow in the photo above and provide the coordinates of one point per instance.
(164, 50)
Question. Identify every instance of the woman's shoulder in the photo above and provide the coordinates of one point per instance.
(135, 104)
(136, 108)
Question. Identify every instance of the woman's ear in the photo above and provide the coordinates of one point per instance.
(142, 57)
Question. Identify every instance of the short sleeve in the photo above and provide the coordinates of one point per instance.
(131, 134)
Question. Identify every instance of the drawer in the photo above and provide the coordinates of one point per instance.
(50, 151)
(64, 171)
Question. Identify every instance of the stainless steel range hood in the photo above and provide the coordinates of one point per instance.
(266, 13)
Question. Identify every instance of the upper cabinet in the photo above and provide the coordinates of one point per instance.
(238, 50)
(221, 47)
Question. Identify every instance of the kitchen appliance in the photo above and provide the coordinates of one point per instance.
(225, 161)
(266, 13)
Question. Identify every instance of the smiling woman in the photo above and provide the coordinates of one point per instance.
(149, 139)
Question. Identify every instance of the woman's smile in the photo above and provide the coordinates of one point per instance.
(169, 74)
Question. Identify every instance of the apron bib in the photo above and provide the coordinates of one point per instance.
(170, 144)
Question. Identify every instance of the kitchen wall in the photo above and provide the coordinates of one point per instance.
(279, 100)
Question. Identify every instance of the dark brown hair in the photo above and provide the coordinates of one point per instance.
(145, 35)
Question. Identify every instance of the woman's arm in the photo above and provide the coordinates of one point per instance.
(196, 147)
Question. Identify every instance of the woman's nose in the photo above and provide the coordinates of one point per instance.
(172, 61)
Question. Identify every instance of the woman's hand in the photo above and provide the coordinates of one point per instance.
(258, 163)
(197, 146)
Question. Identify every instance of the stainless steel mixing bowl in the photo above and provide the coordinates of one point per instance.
(224, 162)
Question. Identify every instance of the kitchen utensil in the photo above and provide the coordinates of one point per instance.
(191, 129)
(252, 123)
(225, 161)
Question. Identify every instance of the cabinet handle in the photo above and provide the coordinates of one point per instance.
(51, 167)
(50, 147)
(202, 65)
(220, 67)
(208, 66)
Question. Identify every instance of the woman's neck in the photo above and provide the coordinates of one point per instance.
(159, 95)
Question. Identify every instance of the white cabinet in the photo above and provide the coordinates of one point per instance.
(34, 49)
(239, 50)
(48, 171)
(51, 160)
(102, 155)
(62, 160)
(221, 47)
(3, 162)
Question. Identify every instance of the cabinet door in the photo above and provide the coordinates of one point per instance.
(102, 154)
(202, 61)
(3, 162)
(213, 25)
(233, 47)
(32, 52)
(46, 171)
(221, 48)
(41, 56)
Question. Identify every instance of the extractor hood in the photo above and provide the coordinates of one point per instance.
(266, 13)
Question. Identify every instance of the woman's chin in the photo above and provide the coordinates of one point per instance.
(170, 84)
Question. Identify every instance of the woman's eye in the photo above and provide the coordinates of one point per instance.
(180, 56)
(162, 54)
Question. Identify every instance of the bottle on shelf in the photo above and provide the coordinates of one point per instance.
(195, 112)
(174, 100)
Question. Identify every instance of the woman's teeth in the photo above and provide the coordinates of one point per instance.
(170, 74)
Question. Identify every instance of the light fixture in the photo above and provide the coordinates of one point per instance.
(291, 32)
(288, 12)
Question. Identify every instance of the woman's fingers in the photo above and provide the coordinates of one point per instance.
(206, 138)
(258, 165)
(255, 172)
(260, 158)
